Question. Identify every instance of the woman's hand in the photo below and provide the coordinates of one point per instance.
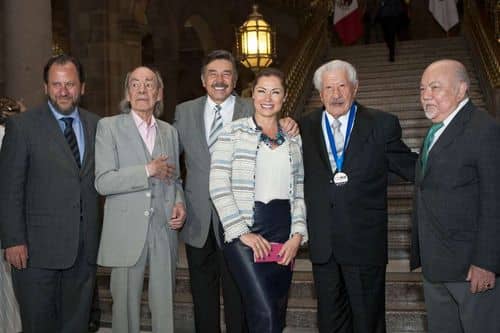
(257, 243)
(289, 249)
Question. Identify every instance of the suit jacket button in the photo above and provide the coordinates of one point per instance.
(331, 181)
(147, 213)
(148, 194)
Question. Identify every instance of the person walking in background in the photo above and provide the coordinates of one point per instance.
(49, 225)
(389, 14)
(456, 215)
(256, 184)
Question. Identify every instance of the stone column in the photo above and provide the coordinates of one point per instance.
(27, 47)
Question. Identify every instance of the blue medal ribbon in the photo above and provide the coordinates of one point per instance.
(339, 160)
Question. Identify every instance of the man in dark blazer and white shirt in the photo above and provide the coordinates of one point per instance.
(456, 216)
(48, 205)
(347, 200)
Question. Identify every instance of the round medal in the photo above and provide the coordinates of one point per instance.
(340, 179)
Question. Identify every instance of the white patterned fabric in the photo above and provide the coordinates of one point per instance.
(232, 179)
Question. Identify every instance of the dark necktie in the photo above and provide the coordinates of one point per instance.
(427, 144)
(70, 136)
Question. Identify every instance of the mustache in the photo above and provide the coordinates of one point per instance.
(220, 85)
(337, 101)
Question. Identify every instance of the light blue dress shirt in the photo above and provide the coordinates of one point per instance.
(77, 127)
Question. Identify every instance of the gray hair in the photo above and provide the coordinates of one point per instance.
(334, 65)
(125, 106)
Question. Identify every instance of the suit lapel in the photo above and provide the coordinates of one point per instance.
(54, 132)
(317, 133)
(238, 109)
(133, 137)
(360, 131)
(89, 142)
(199, 122)
(451, 132)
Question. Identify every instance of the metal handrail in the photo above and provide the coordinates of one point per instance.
(299, 67)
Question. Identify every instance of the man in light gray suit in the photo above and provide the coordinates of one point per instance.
(198, 122)
(144, 204)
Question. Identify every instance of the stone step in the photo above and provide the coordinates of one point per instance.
(400, 190)
(403, 293)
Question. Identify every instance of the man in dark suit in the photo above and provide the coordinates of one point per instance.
(48, 205)
(349, 150)
(456, 216)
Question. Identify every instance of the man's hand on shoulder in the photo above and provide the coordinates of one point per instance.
(17, 256)
(290, 126)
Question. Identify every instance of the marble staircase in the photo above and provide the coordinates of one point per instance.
(392, 87)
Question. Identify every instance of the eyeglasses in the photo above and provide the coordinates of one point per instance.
(136, 85)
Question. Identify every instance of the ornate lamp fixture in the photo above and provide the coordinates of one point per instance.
(255, 42)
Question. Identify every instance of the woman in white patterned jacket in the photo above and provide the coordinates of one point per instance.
(256, 184)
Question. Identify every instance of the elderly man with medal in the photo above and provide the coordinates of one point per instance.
(349, 150)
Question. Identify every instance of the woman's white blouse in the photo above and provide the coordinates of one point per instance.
(272, 174)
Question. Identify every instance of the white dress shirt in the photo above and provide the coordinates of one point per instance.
(343, 129)
(226, 112)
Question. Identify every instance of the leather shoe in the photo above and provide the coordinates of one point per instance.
(94, 326)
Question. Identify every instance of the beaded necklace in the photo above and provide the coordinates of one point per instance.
(268, 141)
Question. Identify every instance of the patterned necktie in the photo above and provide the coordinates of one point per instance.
(215, 129)
(427, 144)
(70, 136)
(338, 136)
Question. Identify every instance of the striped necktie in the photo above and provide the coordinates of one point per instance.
(215, 129)
(70, 136)
(427, 144)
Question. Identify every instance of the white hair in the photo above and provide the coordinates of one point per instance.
(334, 65)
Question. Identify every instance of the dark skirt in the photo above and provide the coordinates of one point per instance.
(263, 286)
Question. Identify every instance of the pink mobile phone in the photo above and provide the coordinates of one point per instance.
(273, 254)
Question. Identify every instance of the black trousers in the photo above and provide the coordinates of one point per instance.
(207, 271)
(95, 308)
(55, 300)
(264, 286)
(390, 27)
(351, 299)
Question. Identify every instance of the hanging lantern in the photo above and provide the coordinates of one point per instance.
(255, 42)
